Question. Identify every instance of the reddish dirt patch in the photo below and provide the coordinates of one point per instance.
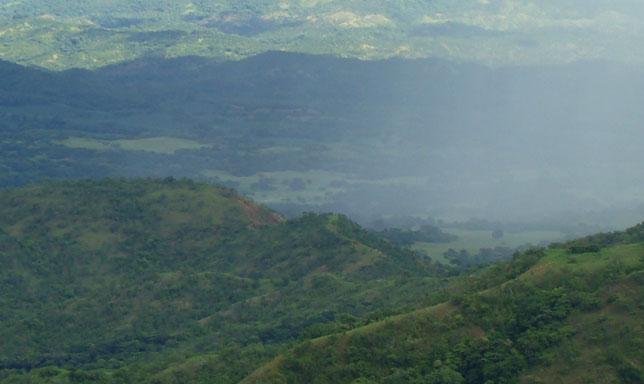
(477, 332)
(259, 215)
(536, 271)
(626, 288)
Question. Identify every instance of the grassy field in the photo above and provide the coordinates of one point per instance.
(164, 145)
(472, 241)
(626, 255)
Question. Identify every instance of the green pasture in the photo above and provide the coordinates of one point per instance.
(473, 240)
(163, 145)
(629, 255)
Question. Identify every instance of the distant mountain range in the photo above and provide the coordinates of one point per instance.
(91, 34)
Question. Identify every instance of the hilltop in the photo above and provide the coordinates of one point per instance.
(115, 279)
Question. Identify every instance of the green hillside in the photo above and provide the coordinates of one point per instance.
(564, 315)
(173, 281)
(127, 281)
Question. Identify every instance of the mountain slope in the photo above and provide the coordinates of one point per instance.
(561, 317)
(122, 279)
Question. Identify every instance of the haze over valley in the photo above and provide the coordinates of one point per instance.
(424, 137)
(321, 191)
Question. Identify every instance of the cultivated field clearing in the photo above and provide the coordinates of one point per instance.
(164, 145)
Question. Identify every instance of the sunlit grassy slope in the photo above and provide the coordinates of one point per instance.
(551, 316)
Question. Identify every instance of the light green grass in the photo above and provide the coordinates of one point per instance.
(164, 145)
(472, 241)
(624, 255)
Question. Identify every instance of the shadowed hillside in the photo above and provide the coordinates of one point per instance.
(115, 280)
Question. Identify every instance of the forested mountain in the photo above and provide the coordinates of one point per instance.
(119, 281)
(173, 281)
(562, 315)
